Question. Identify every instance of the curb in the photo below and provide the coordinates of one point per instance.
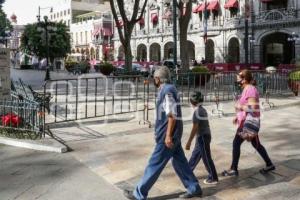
(48, 145)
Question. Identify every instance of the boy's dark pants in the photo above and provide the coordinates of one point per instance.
(202, 150)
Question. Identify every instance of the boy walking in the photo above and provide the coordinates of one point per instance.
(202, 146)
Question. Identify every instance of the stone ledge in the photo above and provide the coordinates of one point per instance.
(47, 144)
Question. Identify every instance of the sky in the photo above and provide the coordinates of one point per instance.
(25, 10)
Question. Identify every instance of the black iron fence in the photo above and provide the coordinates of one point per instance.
(99, 96)
(83, 98)
(21, 119)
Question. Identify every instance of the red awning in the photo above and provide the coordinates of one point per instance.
(106, 32)
(142, 21)
(167, 15)
(231, 4)
(266, 1)
(154, 18)
(213, 5)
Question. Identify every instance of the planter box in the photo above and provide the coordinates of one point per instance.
(294, 85)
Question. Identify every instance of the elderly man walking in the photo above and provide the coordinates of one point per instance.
(168, 133)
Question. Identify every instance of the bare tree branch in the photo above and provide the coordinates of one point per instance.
(122, 10)
(114, 12)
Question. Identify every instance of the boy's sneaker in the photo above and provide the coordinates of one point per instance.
(187, 195)
(230, 172)
(209, 181)
(267, 169)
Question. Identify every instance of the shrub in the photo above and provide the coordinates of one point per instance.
(295, 75)
(105, 68)
(84, 66)
(200, 69)
(70, 65)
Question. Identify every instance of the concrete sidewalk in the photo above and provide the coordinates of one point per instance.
(27, 174)
(119, 152)
(111, 156)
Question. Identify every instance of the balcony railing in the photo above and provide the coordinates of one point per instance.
(276, 15)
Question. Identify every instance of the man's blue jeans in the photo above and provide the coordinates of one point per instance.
(157, 163)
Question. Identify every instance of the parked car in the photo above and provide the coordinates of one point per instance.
(170, 64)
(137, 69)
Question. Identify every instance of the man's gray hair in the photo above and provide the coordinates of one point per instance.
(163, 73)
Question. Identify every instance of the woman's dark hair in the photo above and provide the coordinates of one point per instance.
(247, 75)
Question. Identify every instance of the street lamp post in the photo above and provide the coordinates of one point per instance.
(293, 38)
(47, 28)
(175, 32)
(47, 76)
(252, 42)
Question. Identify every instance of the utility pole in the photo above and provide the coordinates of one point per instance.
(175, 33)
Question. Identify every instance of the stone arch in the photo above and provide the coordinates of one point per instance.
(97, 54)
(168, 50)
(121, 53)
(210, 51)
(141, 52)
(233, 55)
(191, 50)
(92, 53)
(155, 52)
(275, 49)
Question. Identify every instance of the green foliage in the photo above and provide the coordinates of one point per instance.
(105, 68)
(4, 22)
(69, 65)
(295, 75)
(33, 40)
(75, 67)
(200, 69)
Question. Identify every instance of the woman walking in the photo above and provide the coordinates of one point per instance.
(248, 121)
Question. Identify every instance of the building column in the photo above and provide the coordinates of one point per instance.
(162, 51)
(148, 52)
(257, 57)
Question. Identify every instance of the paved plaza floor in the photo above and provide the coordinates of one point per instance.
(107, 158)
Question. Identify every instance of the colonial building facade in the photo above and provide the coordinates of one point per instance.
(273, 32)
(84, 18)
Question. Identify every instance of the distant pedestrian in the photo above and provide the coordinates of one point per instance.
(203, 61)
(248, 121)
(195, 63)
(202, 145)
(168, 134)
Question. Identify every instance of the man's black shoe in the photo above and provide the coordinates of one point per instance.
(129, 194)
(189, 196)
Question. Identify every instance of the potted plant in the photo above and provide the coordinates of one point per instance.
(105, 68)
(199, 75)
(294, 81)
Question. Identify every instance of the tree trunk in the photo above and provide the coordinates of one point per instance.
(128, 55)
(184, 53)
(183, 26)
(127, 46)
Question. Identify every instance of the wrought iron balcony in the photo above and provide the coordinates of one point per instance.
(276, 15)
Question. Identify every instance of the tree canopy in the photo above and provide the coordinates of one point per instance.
(127, 14)
(4, 22)
(33, 40)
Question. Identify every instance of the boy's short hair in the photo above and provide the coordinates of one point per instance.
(196, 98)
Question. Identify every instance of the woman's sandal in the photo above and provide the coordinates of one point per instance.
(267, 169)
